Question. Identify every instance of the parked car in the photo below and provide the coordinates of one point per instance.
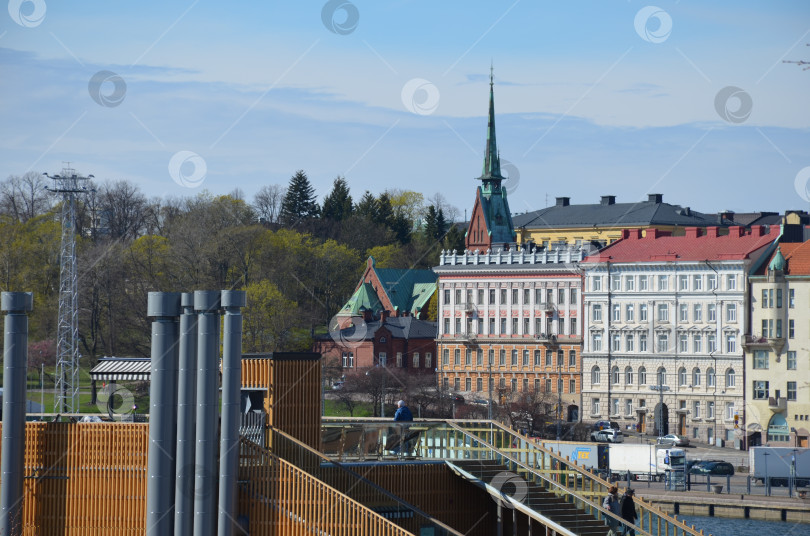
(712, 467)
(607, 436)
(606, 425)
(674, 439)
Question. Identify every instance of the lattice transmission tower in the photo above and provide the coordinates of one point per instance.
(69, 185)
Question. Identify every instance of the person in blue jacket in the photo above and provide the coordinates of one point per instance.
(403, 414)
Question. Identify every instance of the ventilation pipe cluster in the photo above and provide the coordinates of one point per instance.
(15, 362)
(182, 464)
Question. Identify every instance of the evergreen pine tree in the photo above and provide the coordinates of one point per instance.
(337, 205)
(441, 224)
(367, 207)
(454, 239)
(385, 212)
(430, 229)
(299, 203)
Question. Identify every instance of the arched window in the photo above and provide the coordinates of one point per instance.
(642, 376)
(696, 377)
(595, 377)
(616, 376)
(628, 375)
(682, 376)
(662, 376)
(730, 378)
(710, 377)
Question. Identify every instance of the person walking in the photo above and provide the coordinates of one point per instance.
(611, 503)
(403, 413)
(629, 511)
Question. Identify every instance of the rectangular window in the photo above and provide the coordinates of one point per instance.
(458, 296)
(502, 383)
(712, 284)
(560, 326)
(791, 360)
(791, 328)
(731, 282)
(549, 358)
(492, 296)
(663, 342)
(642, 342)
(697, 343)
(538, 360)
(525, 326)
(697, 282)
(573, 296)
(696, 410)
(628, 406)
(711, 343)
(457, 357)
(630, 343)
(525, 385)
(764, 298)
(468, 357)
(572, 324)
(683, 282)
(538, 296)
(446, 325)
(597, 313)
(683, 343)
(729, 411)
(503, 326)
(791, 298)
(770, 298)
(712, 312)
(596, 342)
(615, 282)
(629, 283)
(514, 326)
(491, 357)
(503, 296)
(662, 282)
(710, 410)
(548, 385)
(514, 358)
(468, 384)
(731, 312)
(550, 296)
(428, 360)
(628, 313)
(697, 313)
(572, 359)
(416, 360)
(514, 296)
(615, 342)
(491, 326)
(469, 296)
(595, 406)
(399, 359)
(572, 386)
(383, 359)
(561, 296)
(642, 282)
(791, 391)
(616, 315)
(526, 296)
(761, 390)
(458, 326)
(479, 384)
(663, 312)
(445, 357)
(731, 344)
(480, 296)
(596, 283)
(479, 357)
(778, 328)
(525, 358)
(642, 312)
(779, 298)
(683, 312)
(502, 358)
(457, 384)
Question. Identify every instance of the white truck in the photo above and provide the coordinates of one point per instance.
(778, 463)
(645, 462)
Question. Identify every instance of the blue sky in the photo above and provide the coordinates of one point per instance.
(592, 98)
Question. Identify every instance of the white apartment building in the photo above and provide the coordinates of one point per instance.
(664, 319)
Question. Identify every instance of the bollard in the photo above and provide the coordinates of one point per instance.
(748, 484)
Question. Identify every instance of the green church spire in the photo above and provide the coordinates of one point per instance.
(492, 161)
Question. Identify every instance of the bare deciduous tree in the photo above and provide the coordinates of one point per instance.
(25, 197)
(267, 202)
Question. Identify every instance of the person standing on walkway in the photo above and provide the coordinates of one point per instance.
(629, 511)
(611, 503)
(403, 413)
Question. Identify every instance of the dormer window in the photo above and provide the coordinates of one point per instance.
(382, 339)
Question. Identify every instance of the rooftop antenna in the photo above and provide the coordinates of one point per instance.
(69, 185)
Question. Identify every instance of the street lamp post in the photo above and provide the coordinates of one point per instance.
(559, 394)
(489, 388)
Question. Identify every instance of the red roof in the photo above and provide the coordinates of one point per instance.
(695, 245)
(797, 258)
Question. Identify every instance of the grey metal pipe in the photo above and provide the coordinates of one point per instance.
(207, 304)
(186, 412)
(15, 364)
(232, 302)
(164, 308)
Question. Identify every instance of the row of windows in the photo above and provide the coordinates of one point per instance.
(661, 282)
(616, 403)
(538, 384)
(768, 301)
(519, 326)
(762, 359)
(513, 357)
(772, 328)
(761, 390)
(662, 342)
(347, 359)
(559, 296)
(661, 376)
(662, 310)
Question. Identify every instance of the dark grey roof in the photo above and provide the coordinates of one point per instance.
(641, 213)
(756, 218)
(401, 327)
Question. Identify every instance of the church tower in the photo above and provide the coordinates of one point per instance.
(490, 225)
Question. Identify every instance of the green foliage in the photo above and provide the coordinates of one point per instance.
(267, 319)
(299, 204)
(338, 205)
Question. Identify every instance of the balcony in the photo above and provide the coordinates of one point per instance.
(547, 338)
(467, 337)
(467, 307)
(548, 307)
(752, 342)
(777, 405)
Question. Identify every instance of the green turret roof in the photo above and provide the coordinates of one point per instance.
(363, 299)
(778, 261)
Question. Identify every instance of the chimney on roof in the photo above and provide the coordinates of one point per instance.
(384, 316)
(711, 232)
(608, 200)
(692, 232)
(563, 201)
(735, 231)
(655, 198)
(757, 230)
(652, 234)
(632, 234)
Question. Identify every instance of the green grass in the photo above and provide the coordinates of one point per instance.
(334, 408)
